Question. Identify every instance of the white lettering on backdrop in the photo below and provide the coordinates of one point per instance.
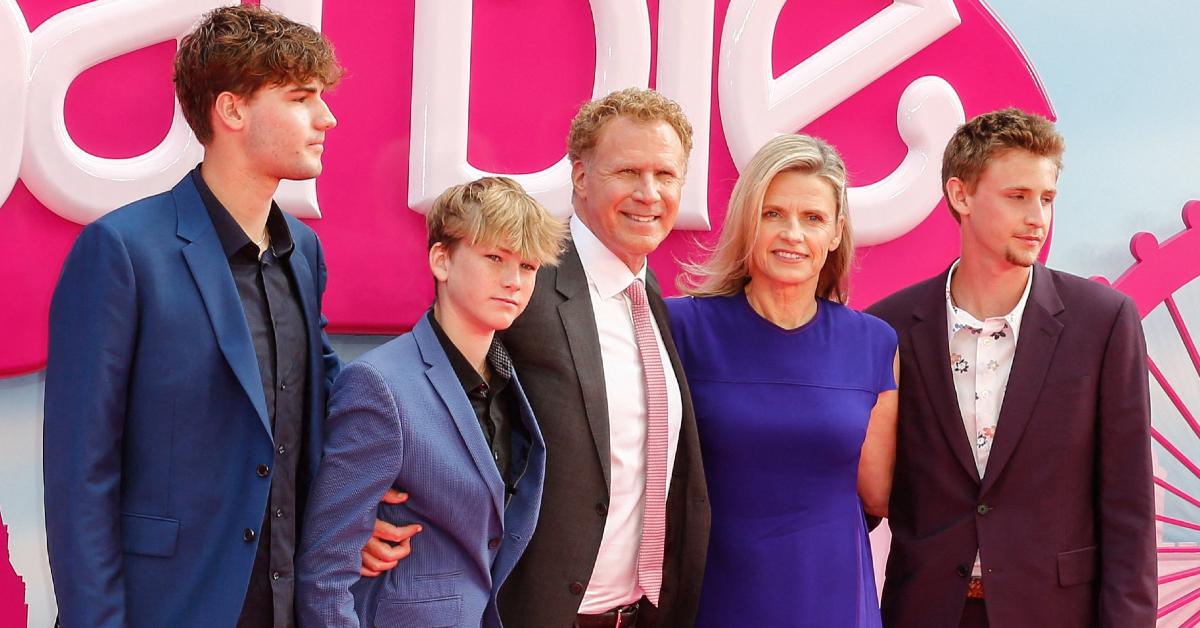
(754, 106)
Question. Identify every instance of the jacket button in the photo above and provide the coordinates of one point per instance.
(263, 470)
(493, 543)
(983, 509)
(961, 570)
(248, 535)
(602, 509)
(576, 588)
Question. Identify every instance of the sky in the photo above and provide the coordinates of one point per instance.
(1122, 79)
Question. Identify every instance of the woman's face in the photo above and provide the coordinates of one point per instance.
(798, 228)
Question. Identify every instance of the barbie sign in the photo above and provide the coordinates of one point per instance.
(442, 91)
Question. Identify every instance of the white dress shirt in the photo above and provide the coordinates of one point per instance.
(614, 579)
(981, 359)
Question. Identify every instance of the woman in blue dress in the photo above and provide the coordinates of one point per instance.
(795, 398)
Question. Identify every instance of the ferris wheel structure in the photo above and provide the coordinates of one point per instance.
(1163, 283)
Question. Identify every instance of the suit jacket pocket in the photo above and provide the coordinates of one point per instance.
(1068, 393)
(1077, 566)
(148, 535)
(442, 612)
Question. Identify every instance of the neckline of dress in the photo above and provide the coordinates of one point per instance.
(745, 302)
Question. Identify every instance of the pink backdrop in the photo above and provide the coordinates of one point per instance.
(532, 64)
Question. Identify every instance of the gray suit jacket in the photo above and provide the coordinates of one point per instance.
(398, 417)
(557, 349)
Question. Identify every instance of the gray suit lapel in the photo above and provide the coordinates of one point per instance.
(579, 324)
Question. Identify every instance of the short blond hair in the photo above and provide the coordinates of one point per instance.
(642, 105)
(727, 269)
(495, 211)
(987, 135)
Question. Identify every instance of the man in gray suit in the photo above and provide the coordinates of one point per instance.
(600, 368)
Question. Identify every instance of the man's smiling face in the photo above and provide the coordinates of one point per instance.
(627, 187)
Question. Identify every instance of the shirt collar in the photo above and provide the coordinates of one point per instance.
(604, 270)
(233, 239)
(497, 357)
(955, 314)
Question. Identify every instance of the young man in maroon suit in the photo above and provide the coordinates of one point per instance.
(1022, 492)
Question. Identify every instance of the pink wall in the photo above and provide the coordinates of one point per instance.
(531, 65)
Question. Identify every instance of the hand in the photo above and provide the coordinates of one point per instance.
(390, 543)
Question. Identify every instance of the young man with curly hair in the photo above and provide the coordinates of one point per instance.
(188, 368)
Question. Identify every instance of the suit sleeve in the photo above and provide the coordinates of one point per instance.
(328, 357)
(93, 328)
(1128, 595)
(362, 455)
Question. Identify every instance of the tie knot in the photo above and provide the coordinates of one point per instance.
(636, 292)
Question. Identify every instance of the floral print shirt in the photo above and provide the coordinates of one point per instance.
(981, 357)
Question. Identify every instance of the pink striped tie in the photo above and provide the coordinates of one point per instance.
(654, 517)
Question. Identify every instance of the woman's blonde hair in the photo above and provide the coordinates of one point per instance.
(727, 269)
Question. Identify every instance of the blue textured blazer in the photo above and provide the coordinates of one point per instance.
(399, 418)
(155, 420)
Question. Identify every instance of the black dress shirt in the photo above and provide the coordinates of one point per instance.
(494, 403)
(275, 318)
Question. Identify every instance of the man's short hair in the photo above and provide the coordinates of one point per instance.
(239, 49)
(495, 211)
(642, 105)
(987, 135)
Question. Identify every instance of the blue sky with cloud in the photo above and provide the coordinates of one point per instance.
(1123, 80)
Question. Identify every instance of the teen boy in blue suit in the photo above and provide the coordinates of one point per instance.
(188, 367)
(440, 413)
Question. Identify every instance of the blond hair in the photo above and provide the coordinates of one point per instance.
(642, 105)
(727, 269)
(986, 135)
(495, 211)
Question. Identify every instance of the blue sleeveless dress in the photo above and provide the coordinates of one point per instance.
(782, 415)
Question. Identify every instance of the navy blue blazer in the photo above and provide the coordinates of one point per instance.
(155, 420)
(398, 417)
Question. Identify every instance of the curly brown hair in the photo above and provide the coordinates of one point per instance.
(241, 48)
(643, 105)
(986, 135)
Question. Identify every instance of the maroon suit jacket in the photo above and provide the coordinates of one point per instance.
(1064, 516)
